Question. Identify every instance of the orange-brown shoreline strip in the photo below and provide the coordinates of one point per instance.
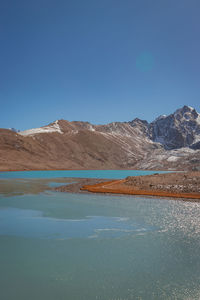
(114, 188)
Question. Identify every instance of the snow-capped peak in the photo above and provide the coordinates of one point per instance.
(185, 109)
(54, 127)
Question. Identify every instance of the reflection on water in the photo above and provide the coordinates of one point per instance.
(56, 184)
(30, 223)
(86, 247)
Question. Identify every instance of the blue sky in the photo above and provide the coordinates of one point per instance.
(97, 61)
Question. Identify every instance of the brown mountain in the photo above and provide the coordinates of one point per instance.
(81, 145)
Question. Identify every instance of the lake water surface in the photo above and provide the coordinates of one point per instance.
(113, 174)
(87, 246)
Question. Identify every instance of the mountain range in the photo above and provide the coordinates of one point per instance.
(168, 143)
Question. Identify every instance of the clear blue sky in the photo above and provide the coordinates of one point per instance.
(97, 61)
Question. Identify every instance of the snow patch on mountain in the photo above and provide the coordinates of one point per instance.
(198, 119)
(160, 117)
(172, 158)
(14, 130)
(91, 128)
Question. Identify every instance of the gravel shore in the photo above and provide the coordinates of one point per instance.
(184, 185)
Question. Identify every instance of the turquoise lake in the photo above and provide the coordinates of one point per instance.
(86, 246)
(114, 174)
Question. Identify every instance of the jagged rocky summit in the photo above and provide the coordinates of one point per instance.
(169, 142)
(180, 129)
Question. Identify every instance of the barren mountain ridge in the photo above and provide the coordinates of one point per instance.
(169, 143)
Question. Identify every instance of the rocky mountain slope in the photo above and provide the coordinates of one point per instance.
(170, 142)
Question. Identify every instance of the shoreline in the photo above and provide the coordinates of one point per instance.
(172, 185)
(29, 170)
(176, 185)
(115, 189)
